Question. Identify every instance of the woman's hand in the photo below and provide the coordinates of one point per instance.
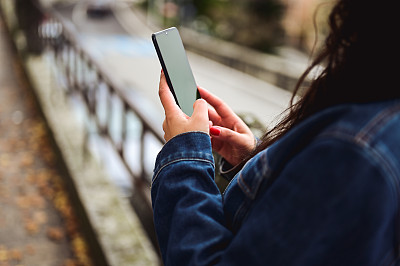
(230, 136)
(177, 122)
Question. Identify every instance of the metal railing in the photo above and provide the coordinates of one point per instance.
(84, 77)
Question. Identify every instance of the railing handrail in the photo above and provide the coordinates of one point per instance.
(80, 54)
(71, 33)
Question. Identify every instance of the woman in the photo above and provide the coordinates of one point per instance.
(320, 188)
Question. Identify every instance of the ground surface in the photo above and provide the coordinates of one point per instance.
(38, 225)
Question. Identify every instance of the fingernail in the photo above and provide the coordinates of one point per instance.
(215, 131)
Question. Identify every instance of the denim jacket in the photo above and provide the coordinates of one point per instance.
(327, 193)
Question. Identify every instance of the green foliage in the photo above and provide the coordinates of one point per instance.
(270, 9)
(253, 23)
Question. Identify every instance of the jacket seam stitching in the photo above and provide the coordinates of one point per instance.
(251, 191)
(179, 160)
(376, 123)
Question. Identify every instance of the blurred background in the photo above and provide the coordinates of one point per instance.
(262, 25)
(82, 78)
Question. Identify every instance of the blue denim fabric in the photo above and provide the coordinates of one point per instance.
(327, 193)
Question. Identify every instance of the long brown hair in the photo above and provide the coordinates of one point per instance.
(356, 59)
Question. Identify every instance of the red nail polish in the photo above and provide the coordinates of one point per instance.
(215, 131)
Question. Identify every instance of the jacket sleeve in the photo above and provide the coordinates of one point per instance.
(187, 204)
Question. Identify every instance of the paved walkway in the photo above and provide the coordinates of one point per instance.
(38, 225)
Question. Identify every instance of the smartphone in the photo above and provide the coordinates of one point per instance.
(177, 71)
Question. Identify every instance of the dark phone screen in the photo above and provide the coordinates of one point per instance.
(176, 67)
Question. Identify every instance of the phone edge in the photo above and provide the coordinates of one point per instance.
(163, 66)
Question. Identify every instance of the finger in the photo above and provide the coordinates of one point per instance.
(166, 97)
(224, 134)
(214, 116)
(200, 111)
(216, 144)
(215, 131)
(235, 124)
(220, 106)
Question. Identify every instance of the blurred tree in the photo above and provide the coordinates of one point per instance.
(271, 9)
(253, 23)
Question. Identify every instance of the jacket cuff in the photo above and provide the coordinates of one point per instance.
(226, 170)
(194, 145)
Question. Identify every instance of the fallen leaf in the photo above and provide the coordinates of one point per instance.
(23, 202)
(15, 254)
(27, 160)
(70, 262)
(4, 161)
(37, 201)
(55, 233)
(47, 192)
(31, 227)
(3, 254)
(40, 217)
(30, 178)
(30, 250)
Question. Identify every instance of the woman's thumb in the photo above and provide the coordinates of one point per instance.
(200, 109)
